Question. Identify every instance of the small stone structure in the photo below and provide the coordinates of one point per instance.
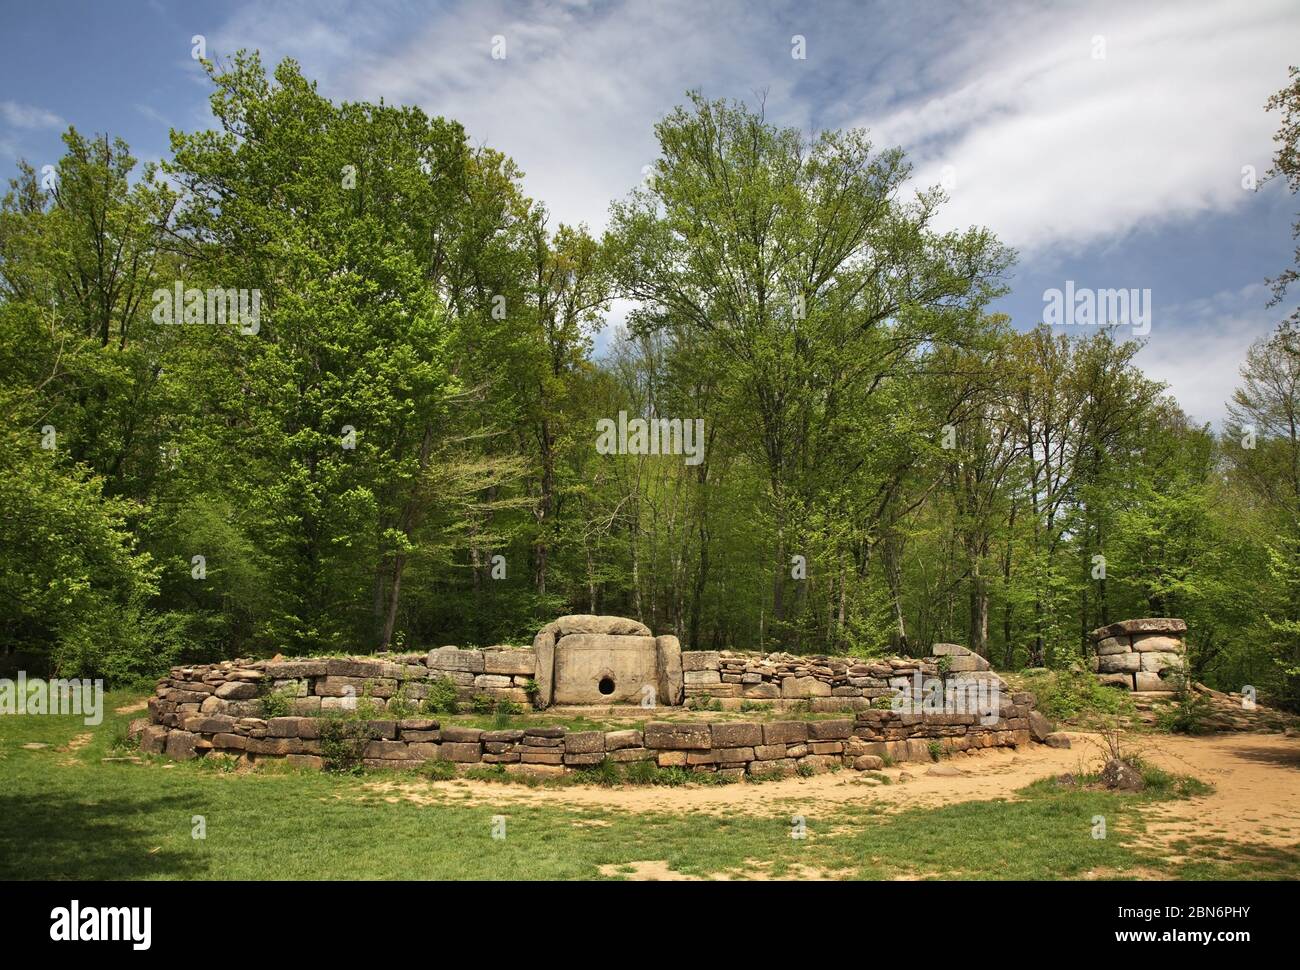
(584, 659)
(1146, 655)
(222, 707)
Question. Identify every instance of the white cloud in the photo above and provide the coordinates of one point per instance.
(1197, 347)
(27, 116)
(1052, 148)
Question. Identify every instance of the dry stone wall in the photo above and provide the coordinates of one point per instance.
(1146, 655)
(222, 708)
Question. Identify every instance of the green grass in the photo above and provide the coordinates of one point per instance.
(69, 814)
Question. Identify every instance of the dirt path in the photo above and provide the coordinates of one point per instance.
(1256, 779)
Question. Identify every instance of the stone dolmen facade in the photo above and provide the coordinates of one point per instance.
(1147, 655)
(895, 709)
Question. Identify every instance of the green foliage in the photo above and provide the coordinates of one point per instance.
(276, 702)
(343, 743)
(1070, 694)
(1188, 713)
(442, 697)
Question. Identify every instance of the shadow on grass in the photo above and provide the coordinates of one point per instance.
(53, 836)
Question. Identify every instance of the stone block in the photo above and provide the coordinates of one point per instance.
(797, 687)
(696, 660)
(616, 740)
(785, 732)
(1112, 645)
(584, 742)
(1156, 643)
(463, 752)
(1120, 663)
(736, 735)
(520, 663)
(664, 735)
(830, 730)
(449, 658)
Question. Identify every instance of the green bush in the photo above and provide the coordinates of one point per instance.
(442, 697)
(1066, 694)
(343, 743)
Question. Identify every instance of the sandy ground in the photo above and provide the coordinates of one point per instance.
(1256, 779)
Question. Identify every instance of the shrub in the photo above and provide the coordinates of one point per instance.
(1188, 714)
(442, 697)
(343, 743)
(482, 704)
(276, 702)
(935, 748)
(1066, 694)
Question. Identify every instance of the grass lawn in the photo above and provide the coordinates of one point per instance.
(67, 813)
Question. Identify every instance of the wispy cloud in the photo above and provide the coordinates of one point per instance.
(28, 116)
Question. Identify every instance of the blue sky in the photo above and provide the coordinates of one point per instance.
(1122, 170)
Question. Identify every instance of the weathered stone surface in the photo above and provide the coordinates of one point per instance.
(363, 669)
(1116, 680)
(584, 759)
(773, 769)
(460, 751)
(209, 723)
(584, 742)
(604, 668)
(1155, 662)
(1150, 624)
(817, 762)
(1120, 663)
(616, 740)
(511, 662)
(583, 623)
(949, 650)
(1112, 645)
(1145, 680)
(1157, 643)
(1057, 740)
(153, 739)
(294, 669)
(830, 730)
(544, 651)
(769, 752)
(763, 692)
(229, 742)
(868, 762)
(701, 678)
(804, 687)
(548, 732)
(668, 650)
(492, 680)
(1040, 726)
(737, 735)
(700, 660)
(623, 755)
(461, 735)
(449, 658)
(237, 691)
(664, 735)
(181, 745)
(785, 732)
(549, 756)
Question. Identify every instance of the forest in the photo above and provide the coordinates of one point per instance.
(389, 441)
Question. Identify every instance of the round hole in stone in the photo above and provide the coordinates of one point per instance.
(606, 685)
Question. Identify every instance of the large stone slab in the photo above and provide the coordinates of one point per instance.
(593, 668)
(1150, 624)
(586, 623)
(668, 650)
(1158, 643)
(669, 736)
(544, 650)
